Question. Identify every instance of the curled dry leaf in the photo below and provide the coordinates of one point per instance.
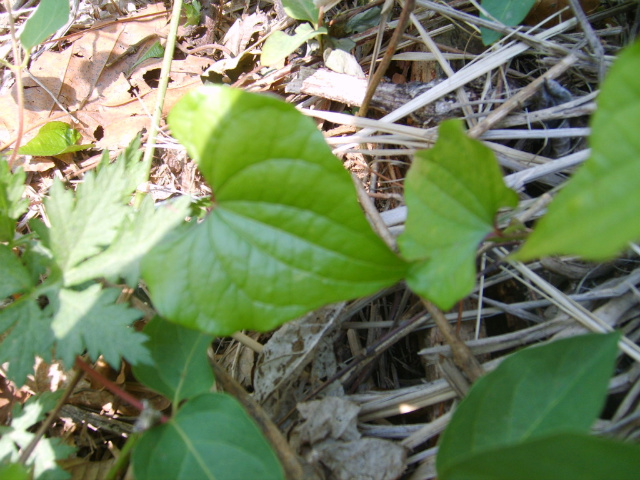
(292, 348)
(329, 436)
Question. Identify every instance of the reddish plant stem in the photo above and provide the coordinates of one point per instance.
(17, 71)
(112, 387)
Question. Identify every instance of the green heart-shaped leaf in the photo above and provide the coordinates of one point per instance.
(287, 234)
(453, 192)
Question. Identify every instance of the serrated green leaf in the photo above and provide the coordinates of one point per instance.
(301, 10)
(287, 234)
(180, 369)
(91, 319)
(137, 235)
(54, 138)
(563, 455)
(14, 277)
(47, 451)
(210, 437)
(30, 336)
(136, 172)
(12, 205)
(49, 16)
(453, 192)
(279, 44)
(556, 388)
(594, 214)
(84, 223)
(508, 12)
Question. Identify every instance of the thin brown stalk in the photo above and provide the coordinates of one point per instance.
(386, 59)
(53, 414)
(462, 355)
(16, 68)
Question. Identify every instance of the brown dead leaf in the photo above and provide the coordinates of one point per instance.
(545, 8)
(88, 81)
(292, 348)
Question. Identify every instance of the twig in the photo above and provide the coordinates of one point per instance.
(288, 459)
(53, 414)
(372, 351)
(462, 356)
(518, 99)
(386, 59)
(162, 86)
(51, 94)
(17, 65)
(373, 216)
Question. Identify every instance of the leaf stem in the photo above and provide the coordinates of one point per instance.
(462, 356)
(112, 387)
(386, 59)
(162, 87)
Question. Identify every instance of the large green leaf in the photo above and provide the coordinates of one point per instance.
(540, 391)
(595, 215)
(279, 44)
(211, 437)
(48, 17)
(180, 369)
(453, 192)
(301, 10)
(509, 12)
(561, 456)
(287, 234)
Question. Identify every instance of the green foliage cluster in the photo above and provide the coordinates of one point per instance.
(286, 236)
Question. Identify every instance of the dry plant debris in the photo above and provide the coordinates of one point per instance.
(380, 376)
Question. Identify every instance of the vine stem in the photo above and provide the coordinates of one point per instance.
(462, 355)
(16, 68)
(386, 59)
(53, 414)
(164, 82)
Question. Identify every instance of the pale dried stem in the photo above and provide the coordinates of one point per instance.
(462, 356)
